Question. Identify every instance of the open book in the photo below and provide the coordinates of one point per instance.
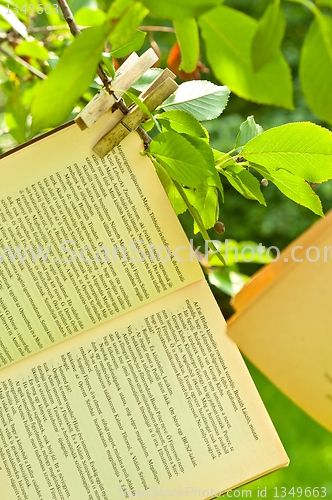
(117, 378)
(288, 307)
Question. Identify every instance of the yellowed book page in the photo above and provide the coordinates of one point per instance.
(292, 254)
(83, 239)
(286, 331)
(157, 401)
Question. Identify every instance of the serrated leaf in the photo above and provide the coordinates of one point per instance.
(269, 35)
(244, 182)
(303, 149)
(175, 9)
(56, 96)
(316, 67)
(182, 122)
(188, 39)
(203, 99)
(294, 188)
(180, 158)
(206, 203)
(14, 21)
(248, 130)
(228, 36)
(133, 45)
(171, 190)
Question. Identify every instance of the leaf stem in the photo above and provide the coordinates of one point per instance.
(310, 5)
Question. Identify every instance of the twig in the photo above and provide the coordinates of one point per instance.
(74, 29)
(161, 29)
(28, 66)
(49, 29)
(41, 29)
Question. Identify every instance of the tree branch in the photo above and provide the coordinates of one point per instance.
(74, 29)
(21, 61)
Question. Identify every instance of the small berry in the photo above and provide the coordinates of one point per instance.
(219, 227)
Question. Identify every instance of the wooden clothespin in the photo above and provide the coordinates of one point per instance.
(161, 88)
(128, 73)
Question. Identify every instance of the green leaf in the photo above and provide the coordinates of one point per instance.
(198, 220)
(294, 188)
(56, 96)
(316, 67)
(126, 27)
(182, 122)
(175, 9)
(117, 8)
(269, 35)
(16, 116)
(180, 158)
(188, 38)
(206, 204)
(133, 45)
(303, 149)
(171, 190)
(203, 99)
(33, 49)
(244, 182)
(76, 5)
(14, 21)
(90, 17)
(229, 283)
(143, 107)
(108, 63)
(228, 36)
(248, 130)
(207, 158)
(324, 3)
(145, 81)
(241, 252)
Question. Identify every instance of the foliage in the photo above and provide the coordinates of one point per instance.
(244, 47)
(244, 54)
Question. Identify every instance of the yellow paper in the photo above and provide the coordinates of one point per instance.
(151, 398)
(154, 402)
(283, 321)
(96, 223)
